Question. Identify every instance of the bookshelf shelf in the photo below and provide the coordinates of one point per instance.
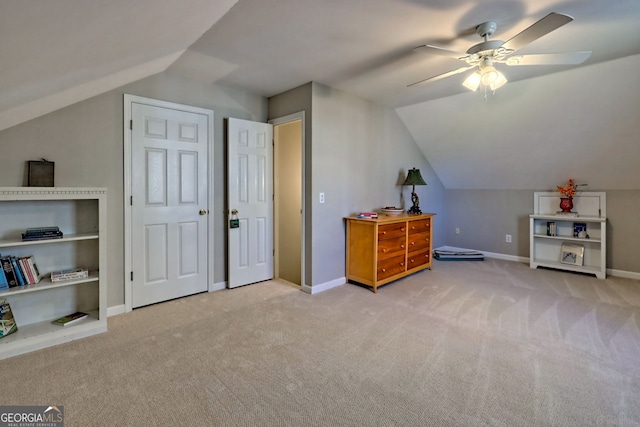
(45, 284)
(81, 214)
(545, 249)
(69, 238)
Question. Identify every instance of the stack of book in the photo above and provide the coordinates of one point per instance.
(16, 271)
(368, 215)
(70, 274)
(41, 233)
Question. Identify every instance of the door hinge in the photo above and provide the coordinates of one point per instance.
(131, 124)
(132, 276)
(131, 200)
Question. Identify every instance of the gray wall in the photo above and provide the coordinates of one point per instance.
(358, 154)
(86, 142)
(486, 216)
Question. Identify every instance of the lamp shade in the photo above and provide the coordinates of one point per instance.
(414, 178)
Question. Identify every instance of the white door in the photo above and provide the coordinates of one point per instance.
(250, 201)
(169, 203)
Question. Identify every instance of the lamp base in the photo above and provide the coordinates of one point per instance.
(415, 209)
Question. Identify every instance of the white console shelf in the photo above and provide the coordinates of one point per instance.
(545, 250)
(80, 213)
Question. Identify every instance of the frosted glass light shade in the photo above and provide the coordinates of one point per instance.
(492, 78)
(500, 81)
(472, 82)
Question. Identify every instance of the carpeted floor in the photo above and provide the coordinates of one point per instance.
(466, 344)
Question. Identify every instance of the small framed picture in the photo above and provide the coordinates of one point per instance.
(40, 173)
(580, 230)
(572, 254)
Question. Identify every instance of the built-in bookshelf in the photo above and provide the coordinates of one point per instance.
(573, 242)
(80, 213)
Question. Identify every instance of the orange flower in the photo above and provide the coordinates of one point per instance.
(568, 190)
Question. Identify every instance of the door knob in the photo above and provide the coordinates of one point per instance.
(203, 212)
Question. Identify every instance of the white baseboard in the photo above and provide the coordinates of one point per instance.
(622, 273)
(610, 272)
(323, 286)
(116, 309)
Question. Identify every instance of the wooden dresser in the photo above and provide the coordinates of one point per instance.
(387, 248)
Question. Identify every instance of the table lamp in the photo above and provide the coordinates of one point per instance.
(414, 178)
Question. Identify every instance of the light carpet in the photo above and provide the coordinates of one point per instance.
(469, 343)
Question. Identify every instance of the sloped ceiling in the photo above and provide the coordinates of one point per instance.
(59, 52)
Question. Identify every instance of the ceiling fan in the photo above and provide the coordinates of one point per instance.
(483, 56)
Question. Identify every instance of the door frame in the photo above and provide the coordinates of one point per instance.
(281, 121)
(127, 117)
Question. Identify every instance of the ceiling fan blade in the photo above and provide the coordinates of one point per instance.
(442, 76)
(551, 22)
(427, 48)
(548, 58)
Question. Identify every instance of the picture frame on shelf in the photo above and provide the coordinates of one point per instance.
(40, 173)
(580, 230)
(572, 254)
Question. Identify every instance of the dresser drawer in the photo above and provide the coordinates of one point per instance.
(391, 231)
(390, 267)
(419, 226)
(418, 241)
(416, 259)
(390, 247)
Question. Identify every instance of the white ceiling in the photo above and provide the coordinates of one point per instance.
(58, 52)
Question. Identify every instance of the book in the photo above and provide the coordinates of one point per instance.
(8, 271)
(33, 268)
(569, 214)
(69, 274)
(17, 271)
(7, 322)
(41, 230)
(42, 236)
(580, 230)
(26, 270)
(70, 319)
(551, 228)
(368, 215)
(3, 280)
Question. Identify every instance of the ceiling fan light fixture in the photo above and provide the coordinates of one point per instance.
(499, 82)
(488, 75)
(473, 81)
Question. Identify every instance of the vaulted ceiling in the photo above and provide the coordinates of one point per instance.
(59, 52)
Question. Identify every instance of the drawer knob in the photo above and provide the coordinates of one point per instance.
(402, 246)
(402, 229)
(384, 269)
(402, 264)
(384, 232)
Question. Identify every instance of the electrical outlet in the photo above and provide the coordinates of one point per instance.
(457, 230)
(321, 197)
(508, 238)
